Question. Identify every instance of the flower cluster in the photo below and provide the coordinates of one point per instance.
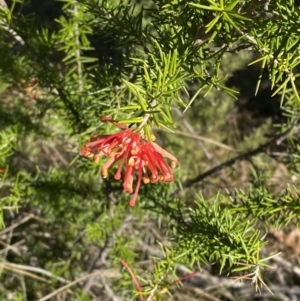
(134, 152)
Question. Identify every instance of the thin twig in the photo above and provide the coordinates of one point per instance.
(21, 267)
(63, 288)
(136, 283)
(9, 236)
(7, 267)
(23, 285)
(147, 115)
(110, 292)
(17, 224)
(12, 248)
(192, 131)
(208, 155)
(78, 56)
(200, 138)
(152, 293)
(68, 104)
(278, 139)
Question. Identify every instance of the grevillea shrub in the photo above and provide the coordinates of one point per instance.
(100, 100)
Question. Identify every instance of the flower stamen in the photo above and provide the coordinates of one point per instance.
(134, 152)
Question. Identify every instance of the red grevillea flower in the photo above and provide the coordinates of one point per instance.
(133, 152)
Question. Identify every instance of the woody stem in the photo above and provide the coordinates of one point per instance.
(147, 115)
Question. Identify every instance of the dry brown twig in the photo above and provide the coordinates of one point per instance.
(26, 270)
(11, 268)
(17, 224)
(255, 278)
(13, 248)
(69, 285)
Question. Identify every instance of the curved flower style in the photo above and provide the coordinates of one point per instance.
(133, 151)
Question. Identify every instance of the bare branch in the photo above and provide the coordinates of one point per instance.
(278, 139)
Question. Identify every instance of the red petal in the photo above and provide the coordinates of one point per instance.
(124, 157)
(127, 184)
(108, 165)
(138, 185)
(148, 161)
(166, 154)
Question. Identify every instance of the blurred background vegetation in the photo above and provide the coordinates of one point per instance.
(234, 203)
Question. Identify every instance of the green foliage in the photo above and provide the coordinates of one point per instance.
(187, 71)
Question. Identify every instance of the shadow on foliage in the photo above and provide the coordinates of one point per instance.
(260, 106)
